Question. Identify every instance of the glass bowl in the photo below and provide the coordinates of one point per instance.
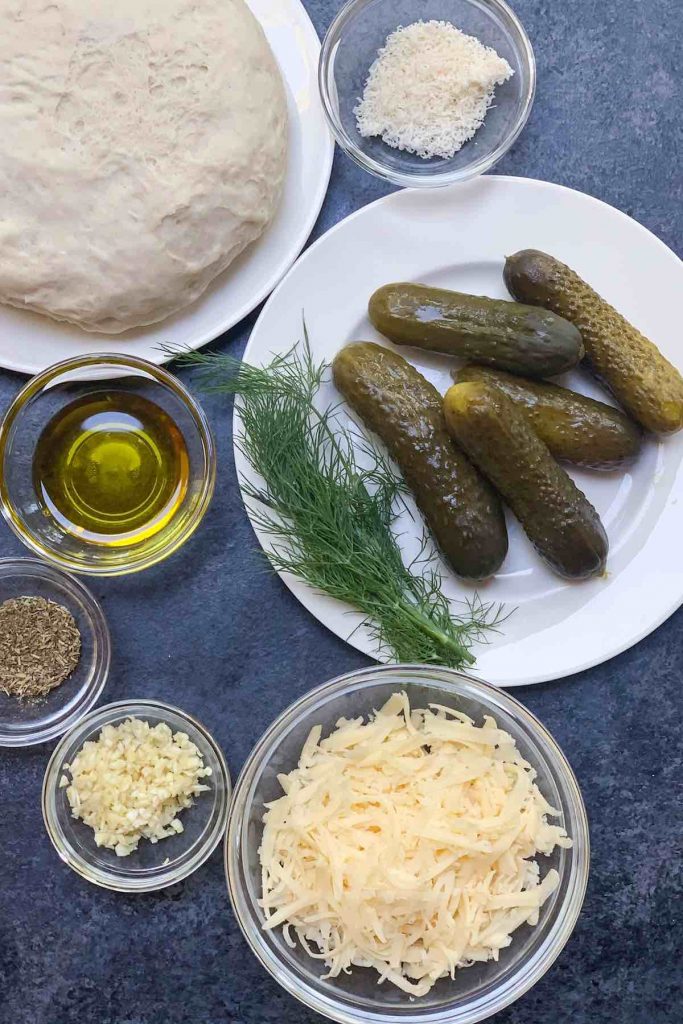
(24, 723)
(477, 991)
(46, 395)
(153, 865)
(350, 47)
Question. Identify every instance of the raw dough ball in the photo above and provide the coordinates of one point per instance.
(142, 147)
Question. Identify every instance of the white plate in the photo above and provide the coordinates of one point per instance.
(29, 343)
(458, 238)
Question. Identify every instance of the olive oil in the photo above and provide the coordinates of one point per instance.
(111, 468)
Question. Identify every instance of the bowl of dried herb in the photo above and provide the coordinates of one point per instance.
(54, 651)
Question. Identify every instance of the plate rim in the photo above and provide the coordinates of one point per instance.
(293, 584)
(307, 224)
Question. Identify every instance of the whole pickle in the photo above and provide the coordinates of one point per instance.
(461, 509)
(634, 369)
(575, 428)
(557, 517)
(504, 334)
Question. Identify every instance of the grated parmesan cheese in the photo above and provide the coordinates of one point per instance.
(132, 781)
(405, 844)
(429, 89)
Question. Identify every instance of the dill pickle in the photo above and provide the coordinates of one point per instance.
(496, 332)
(575, 428)
(461, 509)
(557, 517)
(631, 366)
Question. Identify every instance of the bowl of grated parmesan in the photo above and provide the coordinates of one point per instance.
(426, 93)
(407, 843)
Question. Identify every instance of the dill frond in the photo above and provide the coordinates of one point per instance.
(328, 499)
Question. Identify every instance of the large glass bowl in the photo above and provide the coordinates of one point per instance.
(350, 47)
(153, 865)
(477, 991)
(24, 723)
(39, 401)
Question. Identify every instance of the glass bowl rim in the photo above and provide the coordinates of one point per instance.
(437, 179)
(33, 387)
(566, 913)
(53, 772)
(94, 683)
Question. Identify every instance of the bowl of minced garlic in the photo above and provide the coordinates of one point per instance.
(135, 798)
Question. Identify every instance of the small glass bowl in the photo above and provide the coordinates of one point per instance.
(24, 723)
(34, 407)
(356, 998)
(350, 47)
(153, 865)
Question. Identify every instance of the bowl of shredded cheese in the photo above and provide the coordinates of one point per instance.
(135, 797)
(407, 843)
(426, 92)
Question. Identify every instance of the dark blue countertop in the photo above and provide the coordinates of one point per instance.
(213, 633)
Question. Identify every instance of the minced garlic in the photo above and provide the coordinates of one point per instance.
(132, 781)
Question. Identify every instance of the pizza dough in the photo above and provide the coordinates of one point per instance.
(142, 147)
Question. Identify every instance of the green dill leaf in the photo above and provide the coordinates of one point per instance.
(328, 499)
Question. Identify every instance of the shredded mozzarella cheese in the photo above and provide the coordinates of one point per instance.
(429, 89)
(405, 844)
(132, 781)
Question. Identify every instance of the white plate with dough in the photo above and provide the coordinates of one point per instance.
(30, 342)
(458, 238)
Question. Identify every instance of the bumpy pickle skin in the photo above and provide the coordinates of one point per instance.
(461, 509)
(576, 429)
(632, 367)
(557, 517)
(514, 337)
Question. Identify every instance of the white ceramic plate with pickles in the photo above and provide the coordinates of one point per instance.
(30, 343)
(458, 238)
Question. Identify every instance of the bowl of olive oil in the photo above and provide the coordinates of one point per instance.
(107, 464)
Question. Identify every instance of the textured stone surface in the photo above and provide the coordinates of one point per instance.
(211, 632)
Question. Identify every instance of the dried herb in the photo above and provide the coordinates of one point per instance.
(40, 646)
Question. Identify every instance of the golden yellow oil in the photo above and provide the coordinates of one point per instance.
(112, 468)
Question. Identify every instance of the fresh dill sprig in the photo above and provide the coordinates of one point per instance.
(328, 518)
